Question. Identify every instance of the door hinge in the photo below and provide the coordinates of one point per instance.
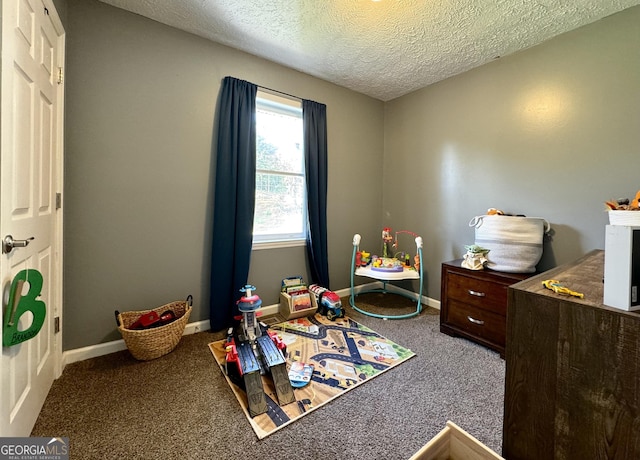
(58, 200)
(56, 324)
(60, 75)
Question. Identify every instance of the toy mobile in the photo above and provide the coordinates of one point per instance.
(329, 303)
(252, 351)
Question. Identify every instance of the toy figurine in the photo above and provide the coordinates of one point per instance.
(363, 258)
(475, 258)
(386, 240)
(556, 287)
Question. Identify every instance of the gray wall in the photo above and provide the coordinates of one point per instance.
(140, 107)
(61, 8)
(549, 132)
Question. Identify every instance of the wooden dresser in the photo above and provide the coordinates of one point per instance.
(473, 303)
(572, 386)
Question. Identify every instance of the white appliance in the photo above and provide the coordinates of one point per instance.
(622, 267)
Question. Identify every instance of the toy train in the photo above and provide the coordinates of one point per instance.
(329, 303)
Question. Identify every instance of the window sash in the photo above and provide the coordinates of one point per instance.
(285, 107)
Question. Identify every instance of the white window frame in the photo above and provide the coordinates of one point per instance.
(287, 106)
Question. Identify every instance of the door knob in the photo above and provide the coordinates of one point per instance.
(8, 243)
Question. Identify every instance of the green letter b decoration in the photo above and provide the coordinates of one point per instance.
(19, 304)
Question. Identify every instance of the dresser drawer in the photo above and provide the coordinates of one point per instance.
(477, 322)
(473, 304)
(485, 294)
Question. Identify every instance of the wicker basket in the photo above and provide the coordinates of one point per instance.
(146, 344)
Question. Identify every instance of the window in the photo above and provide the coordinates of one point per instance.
(281, 205)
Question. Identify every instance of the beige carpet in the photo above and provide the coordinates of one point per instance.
(344, 353)
(180, 406)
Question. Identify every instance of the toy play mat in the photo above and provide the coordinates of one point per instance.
(344, 354)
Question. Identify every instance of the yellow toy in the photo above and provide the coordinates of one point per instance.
(556, 287)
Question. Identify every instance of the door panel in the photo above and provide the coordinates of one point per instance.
(31, 175)
(23, 104)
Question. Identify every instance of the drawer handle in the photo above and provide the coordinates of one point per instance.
(476, 293)
(475, 321)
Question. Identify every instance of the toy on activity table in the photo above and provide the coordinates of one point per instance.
(363, 258)
(394, 261)
(329, 303)
(251, 351)
(387, 264)
(558, 288)
(386, 241)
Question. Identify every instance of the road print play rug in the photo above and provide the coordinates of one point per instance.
(344, 354)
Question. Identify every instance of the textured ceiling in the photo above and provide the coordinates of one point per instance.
(384, 48)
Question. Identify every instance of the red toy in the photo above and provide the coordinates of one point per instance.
(153, 319)
(329, 303)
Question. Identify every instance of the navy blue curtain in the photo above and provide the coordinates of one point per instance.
(314, 116)
(234, 199)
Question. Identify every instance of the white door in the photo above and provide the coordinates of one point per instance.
(30, 177)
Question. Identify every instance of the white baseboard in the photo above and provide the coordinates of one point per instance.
(93, 351)
(428, 301)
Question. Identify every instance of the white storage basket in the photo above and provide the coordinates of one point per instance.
(514, 242)
(627, 218)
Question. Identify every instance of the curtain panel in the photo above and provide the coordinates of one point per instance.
(314, 116)
(234, 199)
